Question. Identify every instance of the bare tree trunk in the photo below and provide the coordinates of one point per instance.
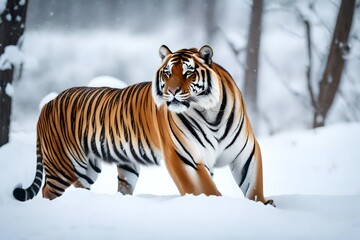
(12, 25)
(252, 58)
(330, 81)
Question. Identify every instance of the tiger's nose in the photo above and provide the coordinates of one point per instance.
(173, 90)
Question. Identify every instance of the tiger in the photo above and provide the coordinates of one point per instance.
(191, 115)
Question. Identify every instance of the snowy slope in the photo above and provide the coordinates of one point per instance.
(312, 175)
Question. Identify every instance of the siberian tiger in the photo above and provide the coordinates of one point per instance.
(192, 115)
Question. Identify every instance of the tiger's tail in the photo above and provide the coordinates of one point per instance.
(26, 194)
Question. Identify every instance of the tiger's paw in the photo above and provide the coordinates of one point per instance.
(125, 188)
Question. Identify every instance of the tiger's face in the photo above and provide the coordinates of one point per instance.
(185, 78)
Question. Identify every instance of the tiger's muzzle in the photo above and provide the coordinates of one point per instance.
(176, 100)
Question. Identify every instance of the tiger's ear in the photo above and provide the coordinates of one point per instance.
(206, 53)
(164, 51)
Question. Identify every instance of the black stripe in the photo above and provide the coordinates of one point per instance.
(39, 175)
(90, 105)
(228, 125)
(135, 156)
(158, 90)
(211, 173)
(84, 176)
(190, 127)
(237, 133)
(242, 149)
(57, 179)
(247, 189)
(103, 142)
(96, 169)
(130, 91)
(182, 146)
(107, 148)
(203, 75)
(143, 152)
(117, 151)
(183, 57)
(119, 155)
(198, 86)
(125, 131)
(203, 79)
(202, 131)
(151, 151)
(245, 168)
(220, 115)
(93, 145)
(73, 114)
(57, 164)
(129, 169)
(85, 143)
(123, 150)
(222, 107)
(56, 187)
(186, 161)
(55, 193)
(38, 179)
(36, 187)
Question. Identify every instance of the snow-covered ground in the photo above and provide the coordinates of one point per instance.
(312, 175)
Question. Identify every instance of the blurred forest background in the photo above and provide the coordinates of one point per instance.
(278, 52)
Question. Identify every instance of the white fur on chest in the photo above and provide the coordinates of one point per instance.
(213, 146)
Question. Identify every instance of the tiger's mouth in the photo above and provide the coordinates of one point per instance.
(177, 106)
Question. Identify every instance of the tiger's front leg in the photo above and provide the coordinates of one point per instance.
(249, 176)
(189, 177)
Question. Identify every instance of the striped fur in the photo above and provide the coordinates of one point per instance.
(191, 115)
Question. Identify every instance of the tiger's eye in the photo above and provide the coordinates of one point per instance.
(188, 73)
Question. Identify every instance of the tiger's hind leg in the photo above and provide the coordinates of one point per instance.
(87, 175)
(54, 186)
(127, 178)
(248, 175)
(83, 177)
(57, 178)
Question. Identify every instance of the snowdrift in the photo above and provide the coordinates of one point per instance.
(312, 175)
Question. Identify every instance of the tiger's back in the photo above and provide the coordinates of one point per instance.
(102, 122)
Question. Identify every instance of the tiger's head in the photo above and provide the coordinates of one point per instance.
(185, 78)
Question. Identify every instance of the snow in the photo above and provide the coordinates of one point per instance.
(12, 56)
(320, 161)
(312, 175)
(8, 17)
(9, 89)
(47, 99)
(100, 81)
(92, 216)
(106, 81)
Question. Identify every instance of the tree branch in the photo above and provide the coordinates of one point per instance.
(309, 67)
